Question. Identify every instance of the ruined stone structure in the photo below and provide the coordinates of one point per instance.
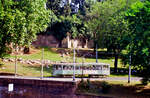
(51, 41)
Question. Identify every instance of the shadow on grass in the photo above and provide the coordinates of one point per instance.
(117, 90)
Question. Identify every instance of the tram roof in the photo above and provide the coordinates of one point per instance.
(80, 64)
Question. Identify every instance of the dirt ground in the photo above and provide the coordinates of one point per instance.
(137, 91)
(118, 91)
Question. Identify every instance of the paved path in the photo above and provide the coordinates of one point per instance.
(77, 79)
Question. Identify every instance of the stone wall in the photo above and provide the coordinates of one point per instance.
(46, 40)
(67, 87)
(51, 41)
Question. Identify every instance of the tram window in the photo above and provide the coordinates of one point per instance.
(97, 68)
(59, 67)
(87, 68)
(77, 67)
(67, 67)
(82, 67)
(56, 67)
(94, 67)
(105, 67)
(100, 67)
(90, 68)
(70, 68)
(64, 67)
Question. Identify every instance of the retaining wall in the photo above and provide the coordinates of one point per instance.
(66, 87)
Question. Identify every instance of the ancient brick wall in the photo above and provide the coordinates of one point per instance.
(51, 41)
(46, 40)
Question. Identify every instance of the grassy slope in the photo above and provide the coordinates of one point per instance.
(49, 54)
(24, 69)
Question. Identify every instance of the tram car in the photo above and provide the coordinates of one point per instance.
(90, 69)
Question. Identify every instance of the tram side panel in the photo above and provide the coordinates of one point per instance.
(98, 70)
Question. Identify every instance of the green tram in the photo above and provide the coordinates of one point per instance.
(90, 69)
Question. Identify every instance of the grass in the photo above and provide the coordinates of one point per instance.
(48, 54)
(25, 70)
(53, 55)
(125, 83)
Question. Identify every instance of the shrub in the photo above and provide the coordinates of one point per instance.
(145, 80)
(105, 87)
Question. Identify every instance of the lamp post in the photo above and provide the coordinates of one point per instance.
(95, 41)
(129, 76)
(16, 62)
(74, 61)
(130, 62)
(96, 54)
(42, 63)
(82, 66)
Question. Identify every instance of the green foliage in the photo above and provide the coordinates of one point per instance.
(20, 21)
(107, 22)
(108, 25)
(67, 22)
(70, 24)
(54, 6)
(105, 87)
(93, 86)
(84, 85)
(139, 39)
(145, 80)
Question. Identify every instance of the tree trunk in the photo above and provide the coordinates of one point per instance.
(116, 62)
(95, 46)
(26, 50)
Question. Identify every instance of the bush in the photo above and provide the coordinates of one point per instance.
(93, 87)
(145, 80)
(83, 85)
(105, 87)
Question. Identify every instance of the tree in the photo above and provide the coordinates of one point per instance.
(67, 21)
(20, 21)
(70, 24)
(54, 5)
(113, 39)
(108, 25)
(138, 45)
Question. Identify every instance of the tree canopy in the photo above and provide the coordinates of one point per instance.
(21, 20)
(108, 25)
(139, 39)
(70, 24)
